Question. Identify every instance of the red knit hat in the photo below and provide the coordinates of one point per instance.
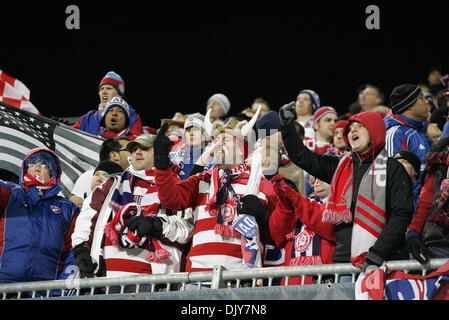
(321, 112)
(339, 124)
(114, 80)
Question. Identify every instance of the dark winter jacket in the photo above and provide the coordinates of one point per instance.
(399, 193)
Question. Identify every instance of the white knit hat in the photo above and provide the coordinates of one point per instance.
(222, 100)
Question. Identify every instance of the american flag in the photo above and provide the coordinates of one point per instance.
(15, 93)
(21, 131)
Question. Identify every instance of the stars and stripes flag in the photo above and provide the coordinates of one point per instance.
(21, 131)
(15, 93)
(383, 284)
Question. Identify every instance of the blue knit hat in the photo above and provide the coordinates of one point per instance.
(314, 98)
(114, 80)
(116, 102)
(46, 157)
(269, 121)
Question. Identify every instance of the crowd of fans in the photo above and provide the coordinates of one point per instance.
(299, 185)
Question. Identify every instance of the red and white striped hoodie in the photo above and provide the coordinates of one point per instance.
(208, 248)
(120, 262)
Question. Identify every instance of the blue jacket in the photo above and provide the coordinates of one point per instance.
(445, 130)
(90, 123)
(35, 232)
(408, 134)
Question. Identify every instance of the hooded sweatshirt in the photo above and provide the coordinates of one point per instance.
(398, 210)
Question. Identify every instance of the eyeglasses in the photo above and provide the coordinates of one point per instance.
(38, 164)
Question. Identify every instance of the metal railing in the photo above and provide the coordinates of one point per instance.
(216, 279)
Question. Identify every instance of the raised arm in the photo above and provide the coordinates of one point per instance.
(318, 165)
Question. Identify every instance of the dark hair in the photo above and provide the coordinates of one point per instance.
(261, 101)
(435, 68)
(111, 144)
(380, 93)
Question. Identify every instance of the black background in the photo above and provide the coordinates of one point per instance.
(174, 55)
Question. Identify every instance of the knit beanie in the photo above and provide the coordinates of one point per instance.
(114, 80)
(269, 121)
(109, 166)
(403, 97)
(197, 120)
(314, 98)
(321, 112)
(410, 157)
(339, 124)
(116, 102)
(222, 100)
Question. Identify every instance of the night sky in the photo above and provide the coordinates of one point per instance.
(174, 55)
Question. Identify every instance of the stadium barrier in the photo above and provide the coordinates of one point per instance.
(235, 283)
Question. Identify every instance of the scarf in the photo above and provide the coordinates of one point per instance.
(306, 246)
(369, 217)
(306, 249)
(36, 188)
(437, 160)
(441, 214)
(29, 180)
(223, 201)
(125, 208)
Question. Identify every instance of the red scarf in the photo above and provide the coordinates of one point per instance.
(337, 209)
(29, 180)
(369, 215)
(121, 237)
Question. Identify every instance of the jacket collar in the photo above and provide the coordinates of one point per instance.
(420, 126)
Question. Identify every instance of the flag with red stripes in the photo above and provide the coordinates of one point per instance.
(15, 93)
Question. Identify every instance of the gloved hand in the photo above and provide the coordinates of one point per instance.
(252, 206)
(372, 262)
(146, 226)
(416, 247)
(287, 195)
(161, 146)
(83, 261)
(287, 113)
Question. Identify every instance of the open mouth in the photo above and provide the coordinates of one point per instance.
(355, 138)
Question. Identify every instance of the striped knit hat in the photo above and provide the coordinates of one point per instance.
(114, 80)
(321, 112)
(116, 102)
(314, 98)
(403, 97)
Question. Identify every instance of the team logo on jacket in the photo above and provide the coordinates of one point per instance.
(55, 209)
(303, 241)
(228, 211)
